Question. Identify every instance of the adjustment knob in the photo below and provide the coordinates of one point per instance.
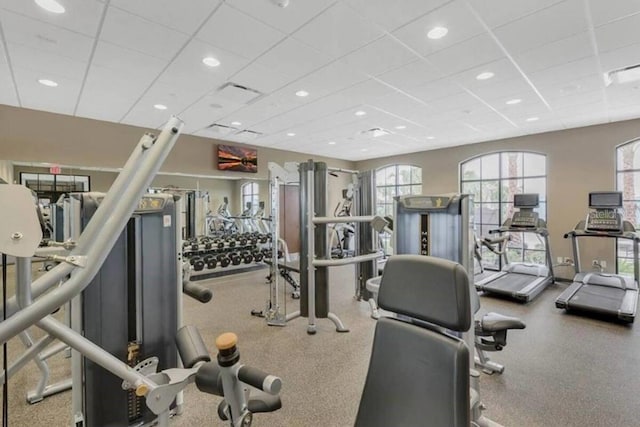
(226, 341)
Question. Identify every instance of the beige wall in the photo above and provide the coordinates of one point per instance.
(36, 136)
(6, 171)
(578, 161)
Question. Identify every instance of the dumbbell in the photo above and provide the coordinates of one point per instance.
(247, 257)
(195, 246)
(243, 241)
(258, 256)
(232, 243)
(264, 238)
(211, 262)
(198, 263)
(236, 259)
(280, 254)
(208, 245)
(224, 261)
(220, 244)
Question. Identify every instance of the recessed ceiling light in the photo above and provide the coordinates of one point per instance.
(332, 143)
(364, 149)
(51, 6)
(437, 33)
(236, 123)
(48, 82)
(302, 93)
(291, 134)
(210, 61)
(160, 107)
(485, 75)
(361, 113)
(513, 101)
(400, 127)
(431, 137)
(533, 119)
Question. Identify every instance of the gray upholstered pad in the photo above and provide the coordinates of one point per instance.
(427, 288)
(417, 377)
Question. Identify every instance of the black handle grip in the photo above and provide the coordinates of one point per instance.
(209, 380)
(260, 380)
(197, 292)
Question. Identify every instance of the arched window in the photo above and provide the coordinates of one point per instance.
(628, 181)
(250, 194)
(493, 179)
(391, 181)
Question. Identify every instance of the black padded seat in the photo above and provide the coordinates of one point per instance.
(494, 322)
(418, 373)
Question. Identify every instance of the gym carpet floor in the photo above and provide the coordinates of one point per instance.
(563, 370)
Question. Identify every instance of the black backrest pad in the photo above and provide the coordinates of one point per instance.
(427, 288)
(417, 377)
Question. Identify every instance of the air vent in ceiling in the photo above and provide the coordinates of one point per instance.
(237, 94)
(375, 132)
(220, 130)
(247, 135)
(623, 75)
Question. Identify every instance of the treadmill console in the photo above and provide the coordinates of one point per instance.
(525, 217)
(604, 215)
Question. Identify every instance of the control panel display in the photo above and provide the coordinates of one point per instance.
(605, 199)
(424, 234)
(529, 200)
(424, 202)
(604, 220)
(150, 204)
(525, 219)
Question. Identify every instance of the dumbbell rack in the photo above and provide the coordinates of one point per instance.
(214, 257)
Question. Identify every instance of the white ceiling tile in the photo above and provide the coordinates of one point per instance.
(169, 95)
(620, 58)
(202, 114)
(328, 79)
(131, 31)
(580, 97)
(365, 92)
(502, 69)
(21, 30)
(455, 16)
(145, 115)
(60, 99)
(618, 34)
(338, 31)
(606, 11)
(82, 16)
(261, 78)
(466, 55)
(566, 73)
(293, 59)
(503, 91)
(46, 63)
(415, 74)
(557, 22)
(393, 14)
(109, 93)
(284, 19)
(8, 94)
(556, 53)
(239, 33)
(170, 13)
(435, 90)
(397, 103)
(187, 72)
(379, 56)
(498, 12)
(127, 62)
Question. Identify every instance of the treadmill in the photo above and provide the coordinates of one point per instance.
(606, 294)
(521, 281)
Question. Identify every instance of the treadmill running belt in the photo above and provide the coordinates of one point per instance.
(510, 283)
(601, 299)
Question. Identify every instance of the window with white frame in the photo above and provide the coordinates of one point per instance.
(250, 194)
(392, 181)
(628, 181)
(493, 179)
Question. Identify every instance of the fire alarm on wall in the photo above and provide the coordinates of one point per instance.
(281, 3)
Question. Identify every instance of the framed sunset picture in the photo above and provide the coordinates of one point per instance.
(239, 159)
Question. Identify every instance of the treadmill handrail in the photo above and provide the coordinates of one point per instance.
(624, 235)
(537, 230)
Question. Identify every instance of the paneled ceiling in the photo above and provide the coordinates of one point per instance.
(116, 60)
